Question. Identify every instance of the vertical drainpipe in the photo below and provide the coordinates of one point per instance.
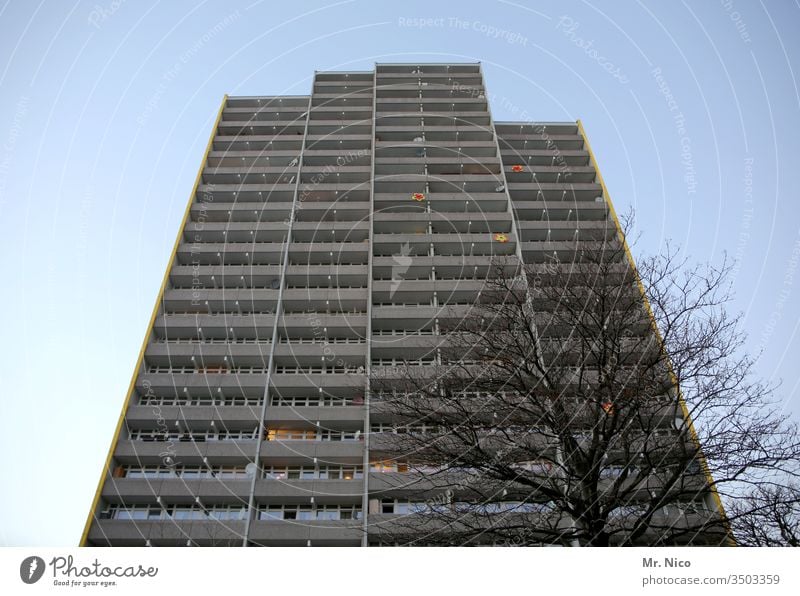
(275, 326)
(368, 331)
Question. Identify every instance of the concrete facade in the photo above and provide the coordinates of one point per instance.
(327, 235)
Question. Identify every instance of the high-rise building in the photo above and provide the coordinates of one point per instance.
(323, 238)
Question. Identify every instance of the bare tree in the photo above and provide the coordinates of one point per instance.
(559, 410)
(768, 515)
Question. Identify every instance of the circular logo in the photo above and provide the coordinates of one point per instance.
(31, 569)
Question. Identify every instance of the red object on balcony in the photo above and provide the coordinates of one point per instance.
(418, 196)
(517, 168)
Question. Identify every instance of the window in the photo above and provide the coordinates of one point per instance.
(314, 473)
(310, 512)
(389, 466)
(402, 506)
(629, 510)
(192, 436)
(152, 400)
(280, 434)
(185, 472)
(313, 435)
(227, 512)
(132, 513)
(611, 472)
(315, 401)
(181, 512)
(174, 512)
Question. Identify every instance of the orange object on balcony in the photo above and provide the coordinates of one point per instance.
(501, 238)
(517, 168)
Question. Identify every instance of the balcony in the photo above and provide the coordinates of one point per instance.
(232, 300)
(298, 276)
(136, 533)
(445, 201)
(564, 251)
(447, 267)
(210, 384)
(208, 354)
(418, 317)
(242, 211)
(545, 157)
(298, 492)
(132, 491)
(547, 191)
(325, 253)
(560, 210)
(301, 452)
(267, 142)
(141, 416)
(247, 193)
(302, 533)
(221, 326)
(245, 253)
(501, 242)
(387, 222)
(333, 417)
(555, 230)
(152, 452)
(335, 383)
(525, 142)
(230, 276)
(234, 232)
(272, 102)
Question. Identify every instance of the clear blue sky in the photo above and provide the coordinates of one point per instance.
(105, 109)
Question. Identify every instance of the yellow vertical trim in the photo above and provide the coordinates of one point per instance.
(140, 358)
(632, 263)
